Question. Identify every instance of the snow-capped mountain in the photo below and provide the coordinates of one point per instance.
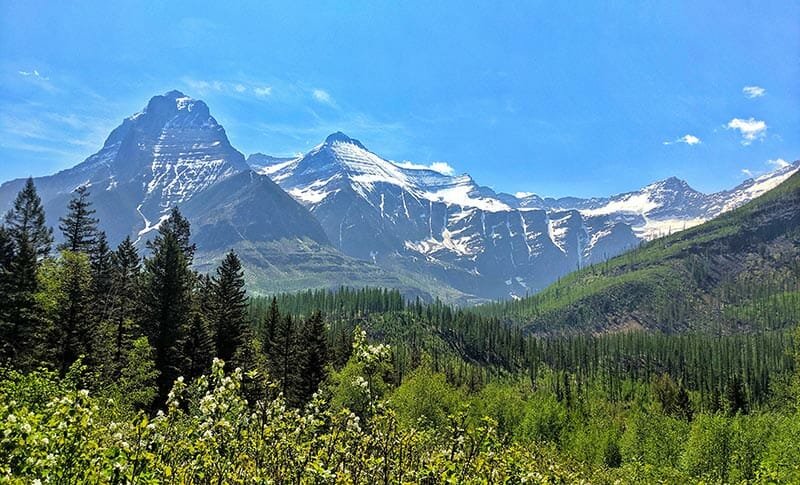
(478, 241)
(343, 215)
(168, 155)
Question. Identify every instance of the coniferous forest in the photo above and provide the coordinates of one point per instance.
(126, 365)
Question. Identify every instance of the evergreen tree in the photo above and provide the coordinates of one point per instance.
(31, 241)
(199, 346)
(269, 325)
(75, 329)
(6, 258)
(124, 301)
(735, 398)
(102, 279)
(283, 361)
(314, 355)
(167, 298)
(78, 226)
(178, 226)
(229, 308)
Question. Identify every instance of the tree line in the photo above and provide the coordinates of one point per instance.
(148, 319)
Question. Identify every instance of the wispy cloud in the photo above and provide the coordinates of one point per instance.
(750, 129)
(35, 77)
(771, 166)
(322, 96)
(262, 91)
(754, 91)
(778, 163)
(441, 167)
(34, 74)
(201, 87)
(687, 139)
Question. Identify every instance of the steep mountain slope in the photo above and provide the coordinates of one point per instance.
(469, 237)
(740, 271)
(156, 159)
(174, 153)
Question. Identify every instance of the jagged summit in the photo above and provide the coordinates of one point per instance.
(340, 137)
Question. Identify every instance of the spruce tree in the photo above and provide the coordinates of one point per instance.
(314, 355)
(179, 227)
(102, 278)
(199, 346)
(124, 301)
(167, 298)
(31, 241)
(6, 258)
(78, 226)
(283, 361)
(229, 308)
(75, 329)
(269, 325)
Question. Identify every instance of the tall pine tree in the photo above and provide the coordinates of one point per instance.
(75, 330)
(78, 226)
(283, 359)
(102, 269)
(31, 240)
(6, 258)
(229, 308)
(167, 298)
(124, 300)
(199, 345)
(270, 323)
(314, 355)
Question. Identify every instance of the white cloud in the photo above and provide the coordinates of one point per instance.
(778, 163)
(754, 91)
(35, 77)
(263, 91)
(322, 96)
(202, 87)
(688, 139)
(443, 168)
(750, 129)
(199, 87)
(35, 74)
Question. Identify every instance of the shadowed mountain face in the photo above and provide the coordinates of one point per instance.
(342, 215)
(478, 241)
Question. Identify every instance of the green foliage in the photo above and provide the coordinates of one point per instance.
(78, 226)
(228, 307)
(167, 297)
(425, 400)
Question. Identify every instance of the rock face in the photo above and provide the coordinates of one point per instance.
(342, 215)
(471, 238)
(174, 153)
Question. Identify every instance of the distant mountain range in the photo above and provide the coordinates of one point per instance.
(738, 272)
(342, 215)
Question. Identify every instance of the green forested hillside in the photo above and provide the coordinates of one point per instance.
(111, 370)
(739, 272)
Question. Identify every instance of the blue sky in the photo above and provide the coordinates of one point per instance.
(546, 97)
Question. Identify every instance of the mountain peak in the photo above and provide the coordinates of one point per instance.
(173, 102)
(340, 137)
(671, 183)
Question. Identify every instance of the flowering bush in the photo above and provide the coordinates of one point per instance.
(209, 433)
